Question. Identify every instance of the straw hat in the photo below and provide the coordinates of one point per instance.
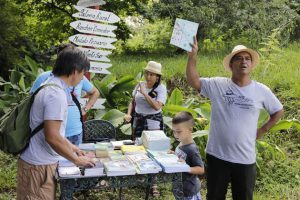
(237, 49)
(154, 67)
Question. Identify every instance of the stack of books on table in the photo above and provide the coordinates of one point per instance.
(116, 155)
(97, 170)
(156, 140)
(117, 144)
(87, 148)
(102, 149)
(132, 149)
(170, 163)
(67, 169)
(143, 164)
(119, 168)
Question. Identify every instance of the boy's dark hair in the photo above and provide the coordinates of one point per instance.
(69, 60)
(183, 117)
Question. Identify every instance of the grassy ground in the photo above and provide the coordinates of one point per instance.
(278, 179)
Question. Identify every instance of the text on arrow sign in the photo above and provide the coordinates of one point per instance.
(94, 28)
(93, 41)
(96, 15)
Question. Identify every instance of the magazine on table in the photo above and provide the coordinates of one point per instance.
(119, 168)
(143, 164)
(116, 155)
(172, 164)
(133, 149)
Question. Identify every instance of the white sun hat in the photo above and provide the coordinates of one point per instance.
(237, 49)
(154, 67)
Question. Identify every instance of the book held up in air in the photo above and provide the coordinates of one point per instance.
(183, 34)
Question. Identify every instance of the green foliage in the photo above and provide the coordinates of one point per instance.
(116, 92)
(224, 23)
(8, 172)
(285, 125)
(11, 44)
(150, 37)
(20, 81)
(176, 97)
(115, 116)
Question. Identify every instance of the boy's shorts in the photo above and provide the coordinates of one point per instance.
(195, 197)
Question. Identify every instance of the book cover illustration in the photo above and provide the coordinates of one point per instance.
(183, 34)
(119, 168)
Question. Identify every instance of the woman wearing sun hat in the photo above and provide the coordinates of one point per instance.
(236, 104)
(149, 97)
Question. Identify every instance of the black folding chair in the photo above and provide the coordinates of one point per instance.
(98, 130)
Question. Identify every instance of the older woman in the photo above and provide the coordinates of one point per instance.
(149, 98)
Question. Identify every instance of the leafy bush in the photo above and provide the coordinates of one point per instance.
(19, 84)
(150, 37)
(227, 23)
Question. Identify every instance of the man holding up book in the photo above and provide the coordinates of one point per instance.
(236, 104)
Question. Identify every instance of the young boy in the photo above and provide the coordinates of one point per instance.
(182, 127)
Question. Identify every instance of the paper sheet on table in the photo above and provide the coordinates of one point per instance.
(153, 124)
(183, 34)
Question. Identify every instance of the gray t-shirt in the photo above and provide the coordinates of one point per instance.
(49, 104)
(142, 106)
(191, 155)
(234, 117)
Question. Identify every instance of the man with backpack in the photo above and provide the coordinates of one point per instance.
(74, 127)
(38, 162)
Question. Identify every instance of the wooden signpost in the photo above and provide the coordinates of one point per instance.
(94, 28)
(100, 68)
(95, 15)
(97, 104)
(93, 41)
(94, 54)
(90, 3)
(90, 41)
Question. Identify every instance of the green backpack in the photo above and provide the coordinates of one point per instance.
(15, 132)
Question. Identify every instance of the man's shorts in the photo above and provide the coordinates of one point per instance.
(35, 182)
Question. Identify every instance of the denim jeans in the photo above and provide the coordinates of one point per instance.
(195, 197)
(75, 139)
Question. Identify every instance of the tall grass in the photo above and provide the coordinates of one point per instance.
(283, 76)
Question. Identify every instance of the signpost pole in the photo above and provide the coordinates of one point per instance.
(88, 74)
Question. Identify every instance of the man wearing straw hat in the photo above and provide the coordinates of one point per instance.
(236, 104)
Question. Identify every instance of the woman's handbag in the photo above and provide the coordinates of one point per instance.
(132, 110)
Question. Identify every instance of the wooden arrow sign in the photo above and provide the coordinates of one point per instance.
(96, 15)
(99, 68)
(95, 54)
(92, 41)
(90, 3)
(97, 104)
(94, 28)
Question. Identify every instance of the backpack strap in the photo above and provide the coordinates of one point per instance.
(79, 108)
(41, 126)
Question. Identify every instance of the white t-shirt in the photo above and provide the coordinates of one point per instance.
(234, 117)
(142, 106)
(49, 104)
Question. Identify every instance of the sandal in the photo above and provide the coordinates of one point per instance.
(154, 191)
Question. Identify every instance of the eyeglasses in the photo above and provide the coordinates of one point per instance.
(241, 58)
